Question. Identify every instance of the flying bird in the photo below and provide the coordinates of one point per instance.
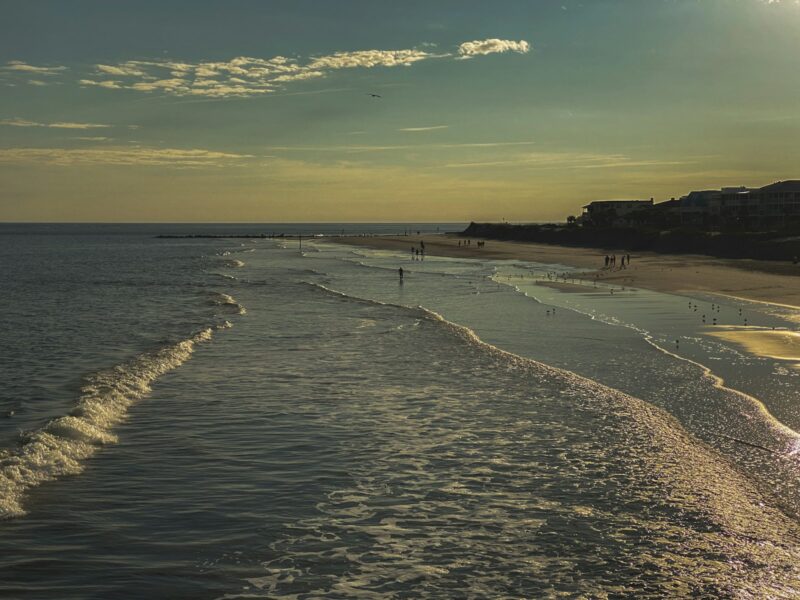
(375, 95)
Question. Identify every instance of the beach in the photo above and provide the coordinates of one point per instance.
(759, 281)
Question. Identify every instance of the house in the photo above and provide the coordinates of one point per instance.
(779, 205)
(772, 207)
(612, 213)
(695, 208)
(737, 209)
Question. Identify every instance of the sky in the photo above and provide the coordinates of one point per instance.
(364, 111)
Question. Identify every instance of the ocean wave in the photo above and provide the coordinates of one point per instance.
(224, 276)
(234, 263)
(652, 415)
(228, 302)
(752, 407)
(62, 445)
(659, 514)
(338, 294)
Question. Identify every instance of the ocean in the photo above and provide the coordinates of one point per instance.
(226, 418)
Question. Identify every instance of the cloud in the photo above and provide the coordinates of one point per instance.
(355, 148)
(136, 156)
(77, 125)
(17, 65)
(122, 70)
(245, 76)
(572, 160)
(424, 128)
(368, 59)
(60, 125)
(492, 46)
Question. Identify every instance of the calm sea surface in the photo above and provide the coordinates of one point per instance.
(243, 418)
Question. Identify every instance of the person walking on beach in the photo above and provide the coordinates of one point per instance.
(400, 270)
(607, 260)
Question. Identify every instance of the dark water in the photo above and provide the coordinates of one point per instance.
(202, 418)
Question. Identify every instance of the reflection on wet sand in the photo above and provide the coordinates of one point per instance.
(769, 343)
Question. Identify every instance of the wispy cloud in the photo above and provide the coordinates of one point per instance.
(136, 156)
(573, 160)
(431, 128)
(492, 46)
(358, 148)
(108, 84)
(250, 76)
(60, 125)
(18, 65)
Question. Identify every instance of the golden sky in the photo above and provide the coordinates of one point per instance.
(364, 111)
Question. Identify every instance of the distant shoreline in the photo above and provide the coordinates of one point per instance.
(761, 281)
(758, 245)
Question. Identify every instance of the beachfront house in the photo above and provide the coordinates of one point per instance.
(773, 207)
(695, 208)
(612, 213)
(779, 205)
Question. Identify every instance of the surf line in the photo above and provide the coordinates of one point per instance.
(62, 446)
(752, 301)
(717, 381)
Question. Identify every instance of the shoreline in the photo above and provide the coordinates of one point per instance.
(753, 280)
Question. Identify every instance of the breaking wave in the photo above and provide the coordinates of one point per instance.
(62, 446)
(228, 302)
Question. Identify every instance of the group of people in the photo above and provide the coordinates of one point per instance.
(611, 261)
(469, 243)
(418, 253)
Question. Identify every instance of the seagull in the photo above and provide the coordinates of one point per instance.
(375, 95)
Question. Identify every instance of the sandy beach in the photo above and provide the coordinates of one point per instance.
(760, 281)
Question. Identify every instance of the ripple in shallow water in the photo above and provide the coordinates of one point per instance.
(516, 480)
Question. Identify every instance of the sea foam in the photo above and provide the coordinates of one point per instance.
(61, 447)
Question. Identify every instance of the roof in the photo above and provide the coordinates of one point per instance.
(699, 198)
(790, 185)
(612, 202)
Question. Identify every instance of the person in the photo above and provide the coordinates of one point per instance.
(400, 270)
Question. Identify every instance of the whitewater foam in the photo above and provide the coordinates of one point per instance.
(62, 445)
(227, 301)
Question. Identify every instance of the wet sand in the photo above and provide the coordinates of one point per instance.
(779, 345)
(763, 281)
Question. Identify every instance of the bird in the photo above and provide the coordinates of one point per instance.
(375, 95)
